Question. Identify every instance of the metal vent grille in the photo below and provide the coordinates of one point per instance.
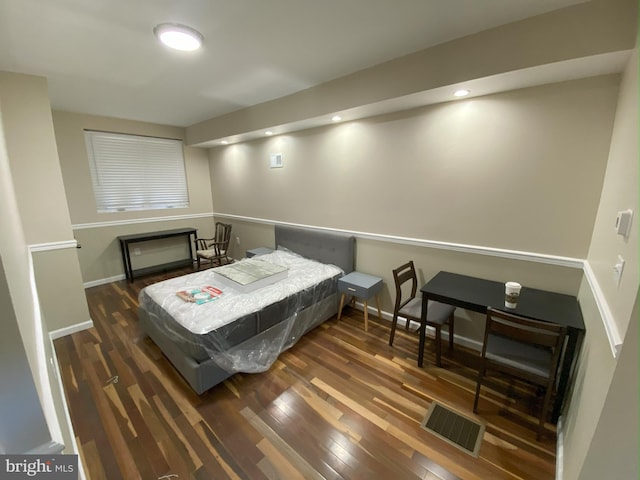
(453, 428)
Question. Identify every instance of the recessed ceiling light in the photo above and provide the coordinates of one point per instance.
(268, 132)
(178, 37)
(336, 118)
(461, 93)
(224, 142)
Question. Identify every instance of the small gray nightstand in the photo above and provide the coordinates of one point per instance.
(362, 286)
(254, 252)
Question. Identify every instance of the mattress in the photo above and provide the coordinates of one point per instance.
(233, 304)
(244, 331)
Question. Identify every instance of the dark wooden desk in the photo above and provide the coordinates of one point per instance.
(476, 294)
(126, 240)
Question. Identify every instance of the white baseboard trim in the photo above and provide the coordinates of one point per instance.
(67, 417)
(103, 281)
(560, 449)
(458, 339)
(63, 332)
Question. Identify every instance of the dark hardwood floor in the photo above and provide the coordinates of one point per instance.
(340, 404)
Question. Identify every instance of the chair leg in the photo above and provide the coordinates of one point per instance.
(394, 323)
(451, 320)
(543, 414)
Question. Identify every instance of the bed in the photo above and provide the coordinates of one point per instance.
(208, 339)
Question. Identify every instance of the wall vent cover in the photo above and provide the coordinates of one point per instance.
(453, 428)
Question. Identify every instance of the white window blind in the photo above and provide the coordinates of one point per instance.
(131, 172)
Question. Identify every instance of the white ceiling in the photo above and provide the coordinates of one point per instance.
(101, 58)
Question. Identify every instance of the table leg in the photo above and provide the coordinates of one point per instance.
(126, 260)
(366, 316)
(195, 237)
(423, 329)
(378, 306)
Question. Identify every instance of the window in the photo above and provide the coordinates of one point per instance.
(130, 172)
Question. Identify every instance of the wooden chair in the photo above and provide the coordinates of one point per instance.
(215, 250)
(523, 348)
(410, 307)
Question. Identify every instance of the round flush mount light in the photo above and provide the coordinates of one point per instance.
(178, 37)
(461, 93)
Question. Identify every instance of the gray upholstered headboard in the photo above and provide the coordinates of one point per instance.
(321, 245)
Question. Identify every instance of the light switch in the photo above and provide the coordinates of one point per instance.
(617, 269)
(623, 222)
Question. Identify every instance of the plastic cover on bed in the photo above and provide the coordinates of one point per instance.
(243, 332)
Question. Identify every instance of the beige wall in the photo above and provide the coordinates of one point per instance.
(597, 397)
(620, 192)
(15, 258)
(97, 233)
(40, 193)
(520, 170)
(34, 159)
(65, 305)
(613, 450)
(27, 165)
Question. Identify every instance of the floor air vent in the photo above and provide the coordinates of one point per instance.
(459, 431)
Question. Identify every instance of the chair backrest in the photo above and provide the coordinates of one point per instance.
(223, 234)
(220, 241)
(401, 275)
(532, 332)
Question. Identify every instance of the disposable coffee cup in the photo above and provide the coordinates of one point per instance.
(511, 294)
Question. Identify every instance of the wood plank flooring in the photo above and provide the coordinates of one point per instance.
(340, 404)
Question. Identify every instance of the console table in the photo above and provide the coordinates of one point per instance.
(127, 240)
(476, 294)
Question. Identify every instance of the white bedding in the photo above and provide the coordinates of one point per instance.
(232, 304)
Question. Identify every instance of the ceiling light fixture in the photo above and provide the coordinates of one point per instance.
(336, 118)
(461, 93)
(178, 37)
(268, 132)
(224, 142)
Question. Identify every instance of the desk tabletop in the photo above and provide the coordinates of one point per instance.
(157, 234)
(362, 280)
(477, 294)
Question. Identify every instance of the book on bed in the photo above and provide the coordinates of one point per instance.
(250, 275)
(200, 295)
